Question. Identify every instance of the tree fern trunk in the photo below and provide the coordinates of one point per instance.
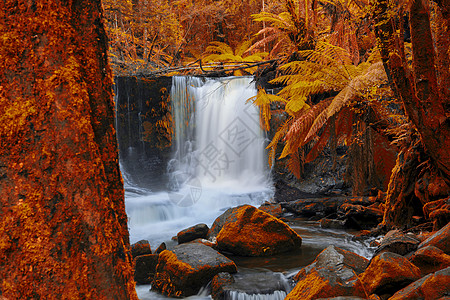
(63, 225)
(401, 203)
(424, 96)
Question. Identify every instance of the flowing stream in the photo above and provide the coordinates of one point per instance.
(219, 161)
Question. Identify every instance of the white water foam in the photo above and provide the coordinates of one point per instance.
(276, 295)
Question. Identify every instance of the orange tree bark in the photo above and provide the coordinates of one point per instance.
(421, 88)
(426, 104)
(63, 230)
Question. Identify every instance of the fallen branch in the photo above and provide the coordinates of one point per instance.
(228, 67)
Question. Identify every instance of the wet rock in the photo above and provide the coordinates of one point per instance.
(243, 286)
(438, 212)
(359, 216)
(314, 206)
(182, 271)
(161, 248)
(332, 223)
(323, 206)
(430, 259)
(333, 257)
(343, 298)
(140, 248)
(286, 193)
(387, 273)
(440, 239)
(220, 220)
(273, 209)
(432, 286)
(219, 284)
(398, 242)
(199, 231)
(248, 231)
(144, 268)
(333, 273)
(204, 242)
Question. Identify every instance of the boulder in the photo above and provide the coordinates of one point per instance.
(205, 242)
(332, 223)
(265, 284)
(333, 273)
(219, 284)
(440, 239)
(334, 257)
(273, 209)
(199, 231)
(398, 242)
(323, 206)
(387, 273)
(343, 298)
(140, 248)
(144, 268)
(359, 216)
(432, 286)
(314, 206)
(220, 220)
(248, 231)
(161, 248)
(430, 259)
(182, 271)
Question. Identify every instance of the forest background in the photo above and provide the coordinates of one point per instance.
(341, 69)
(345, 72)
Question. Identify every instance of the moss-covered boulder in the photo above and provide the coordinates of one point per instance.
(433, 286)
(184, 270)
(248, 231)
(333, 273)
(388, 273)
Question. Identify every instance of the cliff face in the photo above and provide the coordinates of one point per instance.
(144, 129)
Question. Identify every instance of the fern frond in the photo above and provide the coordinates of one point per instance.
(319, 145)
(263, 101)
(294, 164)
(241, 48)
(300, 127)
(296, 104)
(374, 76)
(281, 131)
(219, 47)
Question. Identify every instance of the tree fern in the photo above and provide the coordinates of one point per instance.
(263, 101)
(221, 52)
(290, 30)
(328, 68)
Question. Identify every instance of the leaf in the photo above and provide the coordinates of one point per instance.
(295, 105)
(294, 164)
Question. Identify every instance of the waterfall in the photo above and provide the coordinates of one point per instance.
(219, 159)
(218, 136)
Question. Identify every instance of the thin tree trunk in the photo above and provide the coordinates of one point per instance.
(63, 233)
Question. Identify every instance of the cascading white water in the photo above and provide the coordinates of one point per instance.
(219, 139)
(219, 161)
(276, 295)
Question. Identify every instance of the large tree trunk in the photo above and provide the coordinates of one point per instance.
(422, 89)
(63, 230)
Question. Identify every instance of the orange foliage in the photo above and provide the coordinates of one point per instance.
(64, 229)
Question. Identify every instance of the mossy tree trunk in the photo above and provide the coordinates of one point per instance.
(63, 229)
(423, 89)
